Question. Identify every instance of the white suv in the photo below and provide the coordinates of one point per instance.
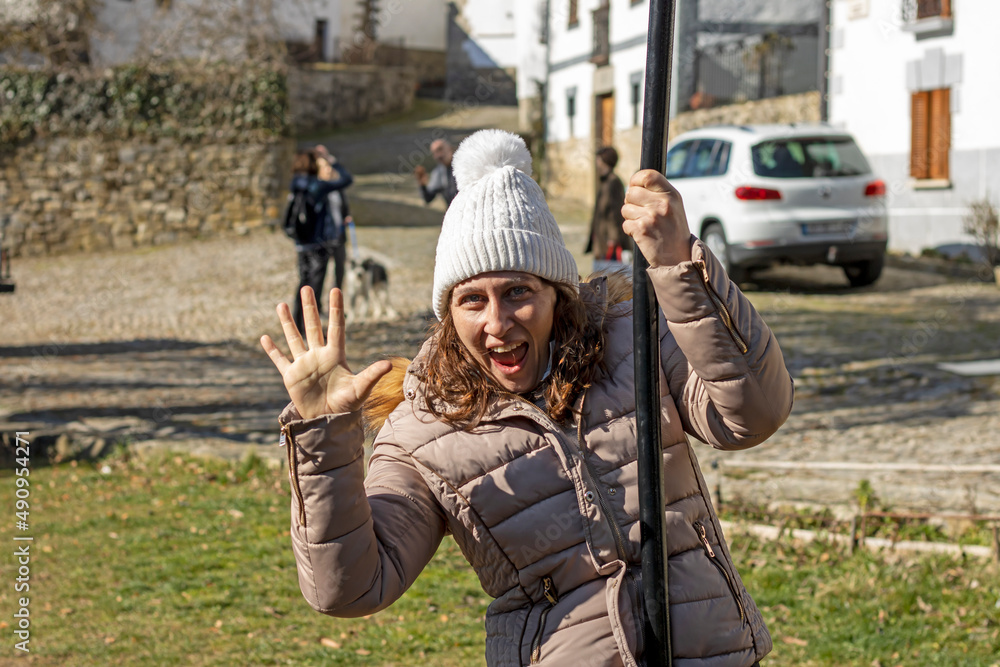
(764, 194)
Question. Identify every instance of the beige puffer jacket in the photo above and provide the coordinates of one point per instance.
(547, 515)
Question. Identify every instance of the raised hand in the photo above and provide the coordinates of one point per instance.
(421, 175)
(317, 377)
(655, 219)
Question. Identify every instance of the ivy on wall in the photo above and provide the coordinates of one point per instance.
(222, 103)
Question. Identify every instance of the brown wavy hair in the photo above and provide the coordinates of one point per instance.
(456, 380)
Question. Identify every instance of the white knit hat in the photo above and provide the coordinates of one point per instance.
(499, 220)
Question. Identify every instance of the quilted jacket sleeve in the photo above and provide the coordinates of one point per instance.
(359, 542)
(723, 365)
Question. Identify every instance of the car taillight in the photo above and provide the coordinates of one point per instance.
(875, 189)
(756, 194)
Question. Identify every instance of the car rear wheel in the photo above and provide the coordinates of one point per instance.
(865, 272)
(715, 238)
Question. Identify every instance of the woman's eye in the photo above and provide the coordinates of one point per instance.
(470, 298)
(519, 291)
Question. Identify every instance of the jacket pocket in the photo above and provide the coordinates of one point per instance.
(713, 558)
(551, 598)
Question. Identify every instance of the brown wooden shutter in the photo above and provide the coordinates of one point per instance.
(919, 131)
(930, 8)
(940, 133)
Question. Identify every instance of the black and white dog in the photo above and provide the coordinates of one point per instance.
(367, 290)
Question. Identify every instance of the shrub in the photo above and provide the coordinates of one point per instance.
(983, 224)
(226, 103)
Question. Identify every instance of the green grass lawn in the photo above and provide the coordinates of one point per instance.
(184, 561)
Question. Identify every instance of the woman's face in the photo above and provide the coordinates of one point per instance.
(505, 320)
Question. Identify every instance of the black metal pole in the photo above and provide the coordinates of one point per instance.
(659, 61)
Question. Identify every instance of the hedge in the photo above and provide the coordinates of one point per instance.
(220, 102)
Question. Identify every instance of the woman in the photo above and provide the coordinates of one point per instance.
(608, 240)
(314, 253)
(514, 431)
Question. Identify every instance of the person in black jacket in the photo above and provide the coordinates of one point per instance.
(314, 253)
(607, 241)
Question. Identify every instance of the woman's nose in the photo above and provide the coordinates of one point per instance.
(497, 320)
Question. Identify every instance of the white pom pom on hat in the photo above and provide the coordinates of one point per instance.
(486, 151)
(499, 220)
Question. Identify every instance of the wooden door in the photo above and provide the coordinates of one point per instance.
(606, 121)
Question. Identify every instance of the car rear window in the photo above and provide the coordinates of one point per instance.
(805, 157)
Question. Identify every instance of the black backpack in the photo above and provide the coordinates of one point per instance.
(301, 218)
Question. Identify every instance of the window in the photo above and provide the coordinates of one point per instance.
(571, 109)
(698, 158)
(720, 162)
(930, 118)
(574, 14)
(636, 98)
(928, 18)
(601, 52)
(676, 159)
(930, 8)
(702, 159)
(808, 158)
(319, 40)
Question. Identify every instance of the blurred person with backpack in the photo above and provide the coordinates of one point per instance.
(308, 219)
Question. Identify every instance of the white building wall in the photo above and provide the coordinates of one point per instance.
(528, 49)
(569, 53)
(875, 65)
(491, 26)
(628, 57)
(420, 24)
(297, 21)
(560, 84)
(127, 29)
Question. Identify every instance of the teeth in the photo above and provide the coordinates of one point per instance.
(505, 348)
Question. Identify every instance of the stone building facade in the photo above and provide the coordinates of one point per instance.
(71, 195)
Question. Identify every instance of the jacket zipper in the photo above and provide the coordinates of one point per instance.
(727, 318)
(293, 470)
(715, 561)
(615, 529)
(601, 500)
(549, 591)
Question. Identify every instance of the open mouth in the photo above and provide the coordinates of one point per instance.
(509, 358)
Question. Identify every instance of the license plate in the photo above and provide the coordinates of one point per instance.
(828, 227)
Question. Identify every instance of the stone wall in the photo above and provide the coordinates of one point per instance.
(430, 67)
(328, 95)
(571, 163)
(70, 195)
